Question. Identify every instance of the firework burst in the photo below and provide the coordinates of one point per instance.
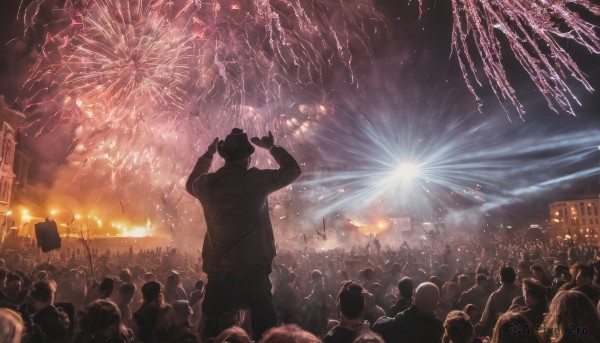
(534, 30)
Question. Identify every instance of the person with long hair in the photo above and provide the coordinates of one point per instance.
(572, 317)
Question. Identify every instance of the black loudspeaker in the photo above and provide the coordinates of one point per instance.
(47, 236)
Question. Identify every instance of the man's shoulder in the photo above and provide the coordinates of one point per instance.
(338, 334)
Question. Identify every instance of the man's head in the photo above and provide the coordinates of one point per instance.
(534, 292)
(507, 275)
(126, 292)
(151, 291)
(317, 279)
(406, 287)
(427, 297)
(14, 282)
(106, 287)
(236, 147)
(585, 275)
(42, 294)
(350, 300)
(480, 279)
(464, 282)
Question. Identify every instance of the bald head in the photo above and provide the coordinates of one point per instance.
(427, 297)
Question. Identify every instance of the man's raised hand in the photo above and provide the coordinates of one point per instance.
(212, 148)
(266, 142)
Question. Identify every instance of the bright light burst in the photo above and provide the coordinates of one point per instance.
(406, 171)
(454, 164)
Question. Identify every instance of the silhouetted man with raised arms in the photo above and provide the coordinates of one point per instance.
(239, 245)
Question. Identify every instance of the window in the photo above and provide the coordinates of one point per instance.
(589, 211)
(4, 190)
(8, 145)
(590, 221)
(596, 210)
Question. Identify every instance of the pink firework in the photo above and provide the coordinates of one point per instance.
(533, 29)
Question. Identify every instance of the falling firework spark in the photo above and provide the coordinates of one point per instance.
(533, 30)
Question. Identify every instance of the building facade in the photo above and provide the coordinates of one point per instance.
(577, 218)
(9, 121)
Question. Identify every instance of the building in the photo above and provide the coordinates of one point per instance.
(9, 121)
(577, 218)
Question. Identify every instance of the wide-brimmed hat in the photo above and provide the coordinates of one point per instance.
(235, 146)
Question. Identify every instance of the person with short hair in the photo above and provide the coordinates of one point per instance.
(534, 299)
(239, 246)
(173, 289)
(418, 324)
(101, 322)
(125, 295)
(405, 288)
(500, 300)
(585, 283)
(317, 307)
(351, 304)
(475, 295)
(53, 321)
(155, 319)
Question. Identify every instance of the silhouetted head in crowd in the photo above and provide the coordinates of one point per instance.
(42, 294)
(288, 334)
(152, 293)
(106, 287)
(427, 297)
(126, 292)
(368, 337)
(317, 279)
(234, 334)
(406, 287)
(236, 148)
(585, 275)
(507, 275)
(350, 300)
(457, 328)
(102, 318)
(534, 292)
(473, 312)
(480, 279)
(125, 275)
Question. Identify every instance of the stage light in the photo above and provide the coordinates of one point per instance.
(407, 172)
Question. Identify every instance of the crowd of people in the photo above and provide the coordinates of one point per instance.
(482, 288)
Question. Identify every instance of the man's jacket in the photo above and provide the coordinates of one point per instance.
(239, 236)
